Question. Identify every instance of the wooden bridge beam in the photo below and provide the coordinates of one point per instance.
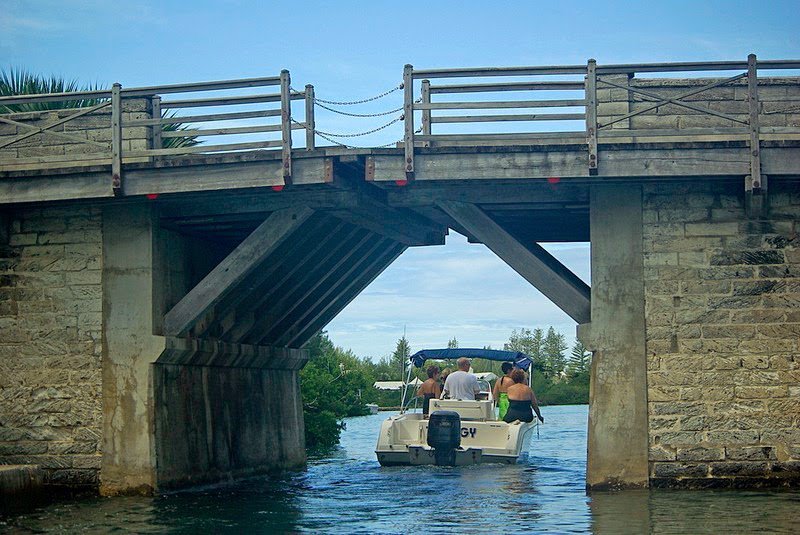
(536, 265)
(233, 269)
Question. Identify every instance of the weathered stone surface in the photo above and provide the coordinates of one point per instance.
(734, 409)
(42, 398)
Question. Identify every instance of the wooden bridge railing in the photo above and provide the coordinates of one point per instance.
(623, 113)
(127, 125)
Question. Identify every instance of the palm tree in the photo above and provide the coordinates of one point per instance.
(17, 81)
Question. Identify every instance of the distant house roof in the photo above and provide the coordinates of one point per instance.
(394, 385)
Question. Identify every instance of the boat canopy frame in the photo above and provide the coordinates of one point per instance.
(519, 359)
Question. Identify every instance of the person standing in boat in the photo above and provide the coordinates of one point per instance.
(500, 393)
(521, 400)
(461, 384)
(429, 389)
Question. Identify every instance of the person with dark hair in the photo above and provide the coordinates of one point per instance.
(500, 392)
(521, 400)
(429, 389)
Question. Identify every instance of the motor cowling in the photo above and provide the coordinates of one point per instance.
(444, 435)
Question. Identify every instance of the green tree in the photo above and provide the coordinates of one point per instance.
(400, 356)
(553, 349)
(452, 344)
(528, 342)
(334, 384)
(580, 360)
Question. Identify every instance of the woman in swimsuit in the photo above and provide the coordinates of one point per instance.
(500, 393)
(521, 400)
(429, 389)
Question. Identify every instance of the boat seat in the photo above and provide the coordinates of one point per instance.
(466, 409)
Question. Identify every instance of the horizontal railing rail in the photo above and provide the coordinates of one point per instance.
(135, 124)
(630, 109)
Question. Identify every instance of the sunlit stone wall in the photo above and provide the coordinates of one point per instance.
(723, 324)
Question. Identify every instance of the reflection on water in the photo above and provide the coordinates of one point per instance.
(348, 492)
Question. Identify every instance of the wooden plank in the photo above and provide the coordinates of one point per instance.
(408, 120)
(205, 118)
(564, 103)
(535, 264)
(487, 166)
(259, 308)
(267, 281)
(225, 131)
(201, 86)
(756, 181)
(425, 106)
(286, 124)
(156, 130)
(522, 136)
(202, 148)
(55, 97)
(501, 118)
(227, 176)
(499, 71)
(300, 333)
(508, 86)
(116, 139)
(591, 114)
(49, 188)
(342, 256)
(632, 68)
(310, 122)
(227, 101)
(224, 278)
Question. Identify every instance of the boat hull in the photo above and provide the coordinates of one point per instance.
(403, 441)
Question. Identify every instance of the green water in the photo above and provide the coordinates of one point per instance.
(348, 492)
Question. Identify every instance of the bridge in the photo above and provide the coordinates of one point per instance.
(156, 291)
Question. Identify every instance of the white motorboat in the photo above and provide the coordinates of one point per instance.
(458, 432)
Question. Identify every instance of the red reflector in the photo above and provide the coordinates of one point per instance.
(152, 196)
(401, 182)
(278, 188)
(553, 180)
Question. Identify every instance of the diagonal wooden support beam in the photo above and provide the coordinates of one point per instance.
(536, 265)
(233, 269)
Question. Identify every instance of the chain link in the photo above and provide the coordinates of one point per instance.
(366, 133)
(381, 114)
(362, 101)
(327, 136)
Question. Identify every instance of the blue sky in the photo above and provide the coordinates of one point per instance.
(350, 50)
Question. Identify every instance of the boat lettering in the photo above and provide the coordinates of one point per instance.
(468, 432)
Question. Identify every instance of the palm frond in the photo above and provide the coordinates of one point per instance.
(16, 81)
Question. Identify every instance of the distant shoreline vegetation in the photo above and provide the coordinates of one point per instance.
(336, 384)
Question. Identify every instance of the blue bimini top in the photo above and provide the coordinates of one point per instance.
(520, 360)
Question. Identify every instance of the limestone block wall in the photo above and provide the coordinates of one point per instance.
(723, 325)
(96, 126)
(50, 342)
(779, 103)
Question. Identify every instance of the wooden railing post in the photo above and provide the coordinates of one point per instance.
(755, 184)
(310, 122)
(591, 114)
(426, 114)
(408, 119)
(155, 113)
(116, 139)
(286, 125)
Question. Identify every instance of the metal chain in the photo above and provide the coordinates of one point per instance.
(358, 114)
(359, 134)
(325, 136)
(362, 101)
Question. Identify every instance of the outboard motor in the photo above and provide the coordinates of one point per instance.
(444, 436)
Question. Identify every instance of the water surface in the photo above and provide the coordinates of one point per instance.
(348, 492)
